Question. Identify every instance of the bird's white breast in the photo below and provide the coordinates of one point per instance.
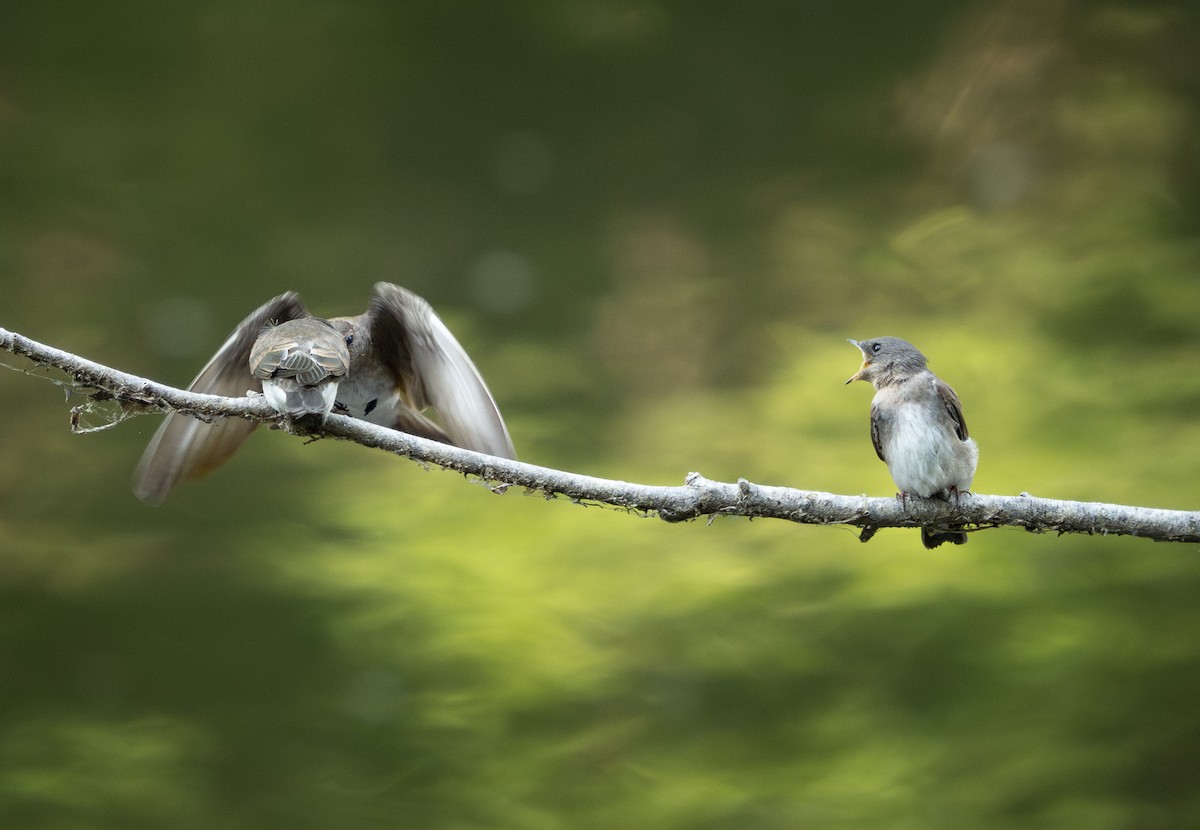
(924, 455)
(370, 394)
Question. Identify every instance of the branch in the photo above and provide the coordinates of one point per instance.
(695, 498)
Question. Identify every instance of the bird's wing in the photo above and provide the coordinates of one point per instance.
(186, 447)
(435, 370)
(953, 409)
(879, 425)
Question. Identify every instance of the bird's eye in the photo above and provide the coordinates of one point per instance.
(876, 348)
(349, 339)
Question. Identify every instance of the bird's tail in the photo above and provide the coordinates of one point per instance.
(932, 537)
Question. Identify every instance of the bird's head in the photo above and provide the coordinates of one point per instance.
(887, 359)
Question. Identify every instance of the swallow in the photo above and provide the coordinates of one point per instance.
(917, 428)
(386, 366)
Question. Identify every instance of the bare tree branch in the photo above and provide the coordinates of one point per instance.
(695, 498)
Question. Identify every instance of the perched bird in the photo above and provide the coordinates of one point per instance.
(384, 366)
(917, 428)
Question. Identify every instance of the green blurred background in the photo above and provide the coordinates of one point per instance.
(653, 225)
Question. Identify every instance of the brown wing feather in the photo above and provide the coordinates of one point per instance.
(435, 370)
(877, 427)
(185, 447)
(953, 409)
(414, 423)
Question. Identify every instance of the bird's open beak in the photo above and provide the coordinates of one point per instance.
(862, 370)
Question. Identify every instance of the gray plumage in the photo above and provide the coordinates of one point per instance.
(301, 364)
(917, 427)
(385, 366)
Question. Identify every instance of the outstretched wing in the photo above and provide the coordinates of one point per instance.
(186, 447)
(435, 370)
(953, 409)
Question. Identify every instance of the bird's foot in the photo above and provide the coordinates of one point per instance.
(957, 494)
(952, 494)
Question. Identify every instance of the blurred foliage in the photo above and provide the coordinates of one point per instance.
(653, 224)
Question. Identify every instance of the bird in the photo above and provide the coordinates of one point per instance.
(917, 428)
(384, 366)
